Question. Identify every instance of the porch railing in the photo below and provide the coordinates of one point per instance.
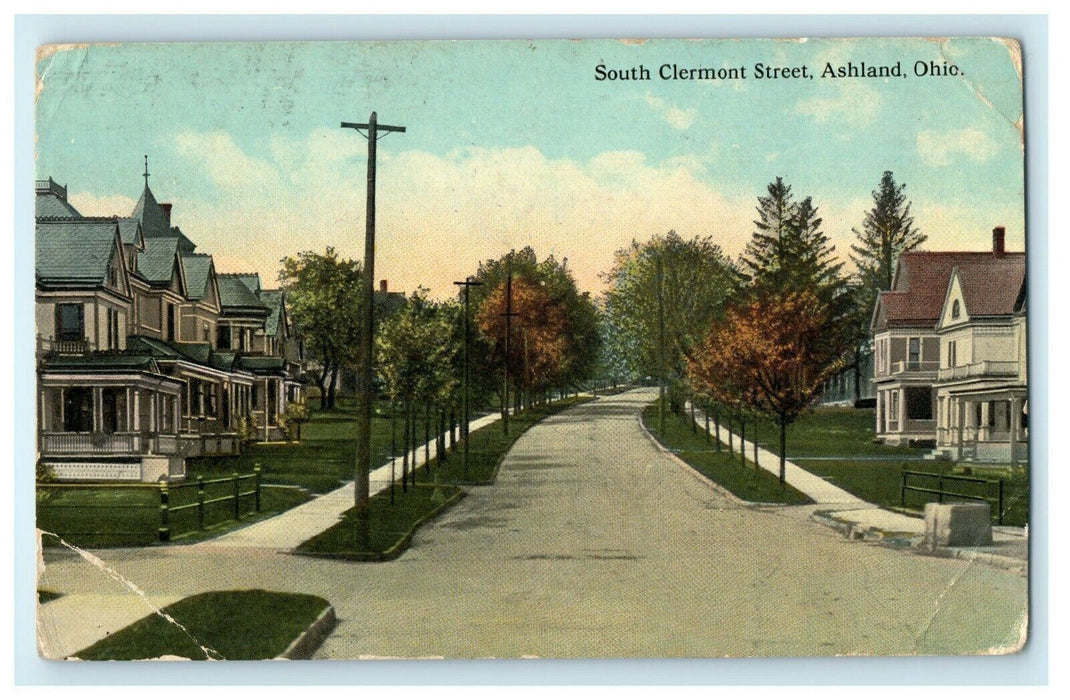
(915, 366)
(91, 443)
(987, 368)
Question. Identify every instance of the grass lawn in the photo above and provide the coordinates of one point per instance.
(878, 482)
(487, 447)
(129, 515)
(748, 483)
(390, 526)
(235, 625)
(323, 460)
(873, 471)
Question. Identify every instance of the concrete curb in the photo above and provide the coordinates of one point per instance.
(915, 543)
(864, 533)
(702, 478)
(987, 558)
(306, 644)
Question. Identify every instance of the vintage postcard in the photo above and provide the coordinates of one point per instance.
(514, 349)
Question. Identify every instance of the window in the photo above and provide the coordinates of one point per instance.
(914, 352)
(956, 309)
(222, 337)
(170, 321)
(919, 403)
(952, 354)
(206, 333)
(70, 322)
(895, 406)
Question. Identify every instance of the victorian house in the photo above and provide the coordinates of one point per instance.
(145, 354)
(949, 344)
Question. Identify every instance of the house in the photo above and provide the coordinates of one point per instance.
(949, 353)
(146, 355)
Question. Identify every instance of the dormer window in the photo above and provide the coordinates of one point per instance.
(956, 309)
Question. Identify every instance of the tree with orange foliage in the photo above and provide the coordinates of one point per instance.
(771, 352)
(539, 346)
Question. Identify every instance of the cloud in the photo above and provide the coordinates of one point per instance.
(107, 205)
(854, 105)
(938, 148)
(677, 118)
(440, 215)
(223, 161)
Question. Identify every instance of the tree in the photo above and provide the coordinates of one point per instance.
(555, 333)
(766, 254)
(692, 279)
(887, 232)
(771, 352)
(416, 349)
(323, 294)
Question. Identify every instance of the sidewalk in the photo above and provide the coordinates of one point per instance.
(287, 530)
(859, 519)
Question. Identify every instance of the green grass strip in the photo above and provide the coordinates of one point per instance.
(391, 526)
(746, 482)
(235, 625)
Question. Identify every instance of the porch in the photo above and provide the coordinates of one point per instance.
(984, 425)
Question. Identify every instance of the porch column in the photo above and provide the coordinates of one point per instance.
(902, 409)
(1015, 420)
(98, 409)
(962, 420)
(137, 410)
(880, 414)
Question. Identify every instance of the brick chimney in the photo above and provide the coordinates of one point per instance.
(166, 206)
(999, 234)
(382, 286)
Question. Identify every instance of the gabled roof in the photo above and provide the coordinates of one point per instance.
(157, 262)
(250, 280)
(990, 290)
(273, 299)
(198, 270)
(233, 293)
(74, 251)
(130, 231)
(921, 282)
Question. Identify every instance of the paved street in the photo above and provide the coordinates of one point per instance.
(595, 543)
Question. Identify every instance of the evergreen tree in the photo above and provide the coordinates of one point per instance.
(887, 231)
(765, 256)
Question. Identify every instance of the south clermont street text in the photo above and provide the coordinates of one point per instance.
(762, 71)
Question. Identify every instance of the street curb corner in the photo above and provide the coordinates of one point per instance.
(314, 635)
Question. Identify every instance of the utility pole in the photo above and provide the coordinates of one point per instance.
(661, 347)
(467, 284)
(509, 313)
(365, 391)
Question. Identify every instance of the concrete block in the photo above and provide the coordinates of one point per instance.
(958, 524)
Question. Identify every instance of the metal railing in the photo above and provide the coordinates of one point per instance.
(940, 492)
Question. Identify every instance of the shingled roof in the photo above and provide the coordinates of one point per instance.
(74, 251)
(233, 293)
(157, 262)
(197, 268)
(921, 281)
(273, 299)
(156, 222)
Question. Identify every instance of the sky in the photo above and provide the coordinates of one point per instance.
(514, 143)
